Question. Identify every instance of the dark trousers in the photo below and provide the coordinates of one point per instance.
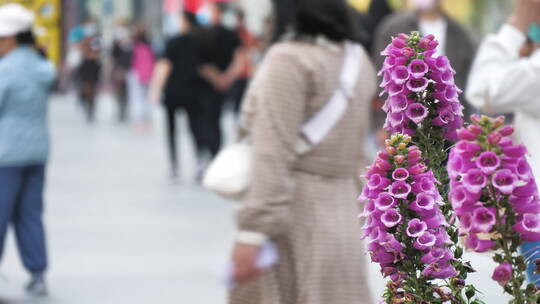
(237, 94)
(87, 94)
(120, 84)
(89, 78)
(196, 127)
(21, 204)
(212, 103)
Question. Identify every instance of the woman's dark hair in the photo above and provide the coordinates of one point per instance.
(26, 38)
(330, 18)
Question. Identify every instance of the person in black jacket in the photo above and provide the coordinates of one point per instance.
(221, 65)
(178, 77)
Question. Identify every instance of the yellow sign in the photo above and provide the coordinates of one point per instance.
(47, 26)
(459, 9)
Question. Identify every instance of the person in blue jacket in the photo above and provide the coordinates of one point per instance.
(25, 84)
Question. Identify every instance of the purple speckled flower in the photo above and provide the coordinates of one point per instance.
(529, 223)
(437, 254)
(444, 118)
(505, 181)
(391, 218)
(398, 103)
(418, 68)
(460, 197)
(529, 189)
(400, 174)
(474, 180)
(435, 219)
(483, 219)
(525, 204)
(424, 185)
(416, 228)
(396, 119)
(440, 271)
(442, 63)
(385, 201)
(417, 113)
(474, 243)
(376, 181)
(400, 189)
(400, 75)
(424, 201)
(488, 162)
(417, 84)
(395, 89)
(515, 151)
(467, 149)
(425, 241)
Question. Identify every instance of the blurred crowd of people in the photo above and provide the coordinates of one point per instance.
(303, 202)
(203, 66)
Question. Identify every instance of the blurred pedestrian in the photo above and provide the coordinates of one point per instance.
(90, 68)
(139, 77)
(68, 74)
(121, 55)
(24, 140)
(177, 75)
(305, 203)
(503, 81)
(221, 63)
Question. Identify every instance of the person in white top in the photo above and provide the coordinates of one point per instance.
(502, 81)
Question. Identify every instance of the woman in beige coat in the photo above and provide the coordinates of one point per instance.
(305, 204)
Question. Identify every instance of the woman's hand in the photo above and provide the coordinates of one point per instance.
(244, 260)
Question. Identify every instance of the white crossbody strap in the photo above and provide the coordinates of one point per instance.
(318, 127)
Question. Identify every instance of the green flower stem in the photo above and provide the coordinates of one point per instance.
(433, 146)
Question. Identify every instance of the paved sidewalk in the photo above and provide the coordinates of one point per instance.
(119, 232)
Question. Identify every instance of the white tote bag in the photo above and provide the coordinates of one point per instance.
(229, 174)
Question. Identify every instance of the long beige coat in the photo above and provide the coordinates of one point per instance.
(306, 204)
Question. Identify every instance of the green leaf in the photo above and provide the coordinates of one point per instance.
(470, 292)
(458, 253)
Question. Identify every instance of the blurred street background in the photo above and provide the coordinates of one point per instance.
(125, 223)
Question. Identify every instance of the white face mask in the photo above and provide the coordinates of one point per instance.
(172, 24)
(424, 5)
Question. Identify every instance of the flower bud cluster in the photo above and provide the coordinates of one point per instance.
(403, 216)
(420, 87)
